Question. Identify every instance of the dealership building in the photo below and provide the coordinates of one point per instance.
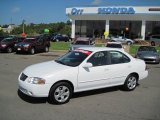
(129, 21)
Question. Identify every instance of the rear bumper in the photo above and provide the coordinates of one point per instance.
(143, 75)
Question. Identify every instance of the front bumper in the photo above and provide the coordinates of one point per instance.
(34, 90)
(3, 48)
(150, 59)
(22, 49)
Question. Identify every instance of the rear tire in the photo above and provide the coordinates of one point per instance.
(152, 43)
(130, 82)
(60, 93)
(129, 43)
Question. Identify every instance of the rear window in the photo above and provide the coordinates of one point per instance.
(114, 45)
(156, 37)
(82, 43)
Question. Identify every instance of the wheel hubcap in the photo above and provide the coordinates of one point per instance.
(32, 51)
(61, 94)
(46, 49)
(9, 50)
(131, 83)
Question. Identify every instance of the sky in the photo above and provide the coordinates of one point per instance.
(52, 11)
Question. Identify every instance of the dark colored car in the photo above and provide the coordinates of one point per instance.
(148, 54)
(33, 45)
(60, 37)
(7, 44)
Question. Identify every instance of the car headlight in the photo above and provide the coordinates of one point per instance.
(36, 80)
(3, 45)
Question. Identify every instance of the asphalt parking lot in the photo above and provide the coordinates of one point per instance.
(105, 104)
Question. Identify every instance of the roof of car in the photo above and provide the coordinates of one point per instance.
(95, 49)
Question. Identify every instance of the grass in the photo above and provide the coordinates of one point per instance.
(133, 49)
(65, 46)
(60, 45)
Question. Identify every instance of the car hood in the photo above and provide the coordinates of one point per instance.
(147, 54)
(44, 69)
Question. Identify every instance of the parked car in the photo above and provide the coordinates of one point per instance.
(122, 39)
(81, 70)
(115, 45)
(33, 45)
(2, 37)
(60, 37)
(82, 42)
(7, 44)
(154, 40)
(148, 54)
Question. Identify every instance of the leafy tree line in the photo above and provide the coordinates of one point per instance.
(34, 29)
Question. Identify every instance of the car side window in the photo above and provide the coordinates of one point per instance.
(40, 40)
(118, 57)
(99, 59)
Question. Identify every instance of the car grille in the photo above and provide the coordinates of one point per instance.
(23, 77)
(149, 60)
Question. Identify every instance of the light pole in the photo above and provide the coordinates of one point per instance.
(23, 24)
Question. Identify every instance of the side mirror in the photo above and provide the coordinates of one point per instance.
(87, 65)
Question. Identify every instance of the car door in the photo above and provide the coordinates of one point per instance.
(119, 67)
(96, 76)
(39, 44)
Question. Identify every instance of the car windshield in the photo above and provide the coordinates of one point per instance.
(73, 58)
(82, 43)
(114, 45)
(147, 48)
(29, 40)
(7, 40)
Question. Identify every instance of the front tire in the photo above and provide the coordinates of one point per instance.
(32, 51)
(130, 83)
(152, 43)
(57, 40)
(9, 49)
(46, 49)
(60, 93)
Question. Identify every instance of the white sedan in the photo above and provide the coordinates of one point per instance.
(81, 70)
